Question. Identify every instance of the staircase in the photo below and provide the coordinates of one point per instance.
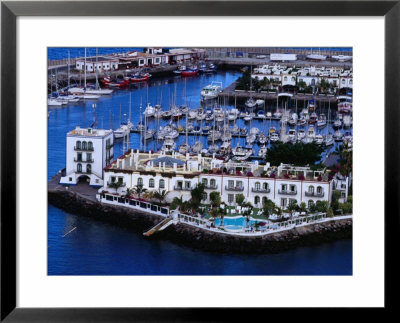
(159, 227)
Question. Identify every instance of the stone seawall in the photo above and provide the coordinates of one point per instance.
(197, 238)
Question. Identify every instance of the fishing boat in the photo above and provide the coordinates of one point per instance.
(210, 68)
(211, 91)
(190, 72)
(321, 122)
(179, 70)
(52, 102)
(139, 77)
(345, 107)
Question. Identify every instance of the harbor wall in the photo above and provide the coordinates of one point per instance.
(197, 238)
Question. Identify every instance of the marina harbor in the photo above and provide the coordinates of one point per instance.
(234, 143)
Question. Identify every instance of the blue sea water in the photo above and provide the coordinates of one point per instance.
(95, 248)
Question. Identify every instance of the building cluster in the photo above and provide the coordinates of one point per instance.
(278, 75)
(149, 58)
(89, 158)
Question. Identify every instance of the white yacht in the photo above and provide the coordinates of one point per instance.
(122, 131)
(169, 145)
(211, 91)
(149, 111)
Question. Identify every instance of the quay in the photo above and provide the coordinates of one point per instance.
(191, 231)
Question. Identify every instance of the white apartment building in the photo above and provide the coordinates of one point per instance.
(179, 174)
(97, 63)
(88, 152)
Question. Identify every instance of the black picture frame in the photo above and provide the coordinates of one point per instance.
(10, 10)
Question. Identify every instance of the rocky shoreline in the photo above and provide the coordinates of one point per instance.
(197, 238)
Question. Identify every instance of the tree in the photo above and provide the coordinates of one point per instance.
(292, 207)
(139, 189)
(298, 154)
(239, 198)
(176, 202)
(116, 185)
(128, 193)
(322, 206)
(269, 208)
(215, 199)
(197, 195)
(160, 195)
(303, 207)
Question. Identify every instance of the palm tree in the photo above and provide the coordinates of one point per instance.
(160, 195)
(139, 190)
(129, 192)
(116, 185)
(292, 207)
(303, 207)
(177, 202)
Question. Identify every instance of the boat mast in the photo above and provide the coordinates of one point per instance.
(141, 128)
(68, 70)
(84, 85)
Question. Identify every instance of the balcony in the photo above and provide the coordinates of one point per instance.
(315, 194)
(260, 190)
(181, 188)
(84, 161)
(234, 189)
(80, 148)
(83, 172)
(123, 184)
(211, 187)
(285, 192)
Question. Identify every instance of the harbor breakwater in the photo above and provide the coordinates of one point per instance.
(198, 238)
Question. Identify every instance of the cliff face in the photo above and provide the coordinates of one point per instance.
(201, 239)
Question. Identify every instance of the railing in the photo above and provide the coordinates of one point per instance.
(211, 187)
(83, 149)
(235, 189)
(181, 188)
(284, 192)
(123, 184)
(84, 161)
(260, 190)
(316, 194)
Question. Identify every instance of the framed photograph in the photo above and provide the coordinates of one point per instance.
(162, 158)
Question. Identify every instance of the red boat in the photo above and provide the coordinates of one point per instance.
(116, 83)
(189, 72)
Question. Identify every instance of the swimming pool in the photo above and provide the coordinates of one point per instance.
(236, 223)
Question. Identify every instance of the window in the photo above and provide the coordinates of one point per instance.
(231, 184)
(79, 168)
(343, 194)
(79, 157)
(264, 200)
(310, 204)
(285, 78)
(179, 184)
(120, 180)
(256, 200)
(204, 197)
(162, 183)
(239, 184)
(204, 181)
(283, 187)
(313, 82)
(78, 145)
(292, 201)
(84, 145)
(187, 184)
(230, 198)
(293, 79)
(70, 179)
(140, 181)
(97, 181)
(90, 145)
(265, 186)
(257, 186)
(212, 182)
(88, 157)
(293, 188)
(283, 203)
(319, 189)
(151, 182)
(311, 189)
(88, 168)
